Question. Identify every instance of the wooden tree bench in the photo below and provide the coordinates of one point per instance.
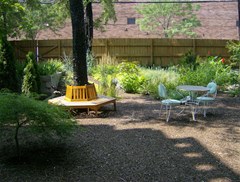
(94, 104)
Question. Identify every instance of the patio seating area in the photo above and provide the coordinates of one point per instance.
(193, 101)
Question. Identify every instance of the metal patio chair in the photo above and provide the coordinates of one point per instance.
(167, 102)
(208, 98)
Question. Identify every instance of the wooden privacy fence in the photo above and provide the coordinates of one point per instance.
(145, 51)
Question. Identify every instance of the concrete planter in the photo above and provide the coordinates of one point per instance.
(49, 81)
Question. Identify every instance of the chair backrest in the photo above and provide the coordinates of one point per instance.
(213, 88)
(162, 91)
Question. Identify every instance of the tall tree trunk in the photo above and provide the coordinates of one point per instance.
(79, 43)
(89, 31)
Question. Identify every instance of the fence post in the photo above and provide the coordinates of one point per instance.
(152, 52)
(106, 48)
(59, 48)
(194, 45)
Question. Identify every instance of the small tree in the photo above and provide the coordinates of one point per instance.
(19, 111)
(31, 81)
(168, 19)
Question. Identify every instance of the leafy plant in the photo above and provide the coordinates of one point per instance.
(31, 81)
(90, 62)
(67, 78)
(130, 77)
(50, 67)
(190, 60)
(106, 75)
(19, 111)
(234, 48)
(211, 68)
(20, 65)
(155, 76)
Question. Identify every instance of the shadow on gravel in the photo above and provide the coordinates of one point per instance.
(102, 153)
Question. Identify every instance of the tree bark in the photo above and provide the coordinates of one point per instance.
(89, 31)
(79, 43)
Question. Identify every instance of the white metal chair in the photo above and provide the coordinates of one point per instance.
(167, 102)
(209, 97)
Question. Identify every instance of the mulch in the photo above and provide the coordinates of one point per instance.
(134, 143)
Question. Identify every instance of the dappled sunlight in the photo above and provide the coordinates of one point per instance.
(192, 155)
(221, 180)
(205, 167)
(183, 145)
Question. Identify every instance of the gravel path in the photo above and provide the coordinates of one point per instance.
(135, 144)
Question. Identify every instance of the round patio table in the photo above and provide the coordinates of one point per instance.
(192, 89)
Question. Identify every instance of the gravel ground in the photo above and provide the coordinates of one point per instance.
(135, 144)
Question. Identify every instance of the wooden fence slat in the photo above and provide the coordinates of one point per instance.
(160, 52)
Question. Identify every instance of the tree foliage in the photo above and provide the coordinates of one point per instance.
(169, 19)
(108, 13)
(31, 80)
(11, 12)
(8, 78)
(27, 18)
(40, 16)
(20, 111)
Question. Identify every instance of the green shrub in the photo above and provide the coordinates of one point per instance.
(67, 78)
(50, 67)
(91, 62)
(19, 111)
(130, 77)
(106, 75)
(211, 68)
(31, 80)
(155, 76)
(234, 49)
(20, 72)
(190, 60)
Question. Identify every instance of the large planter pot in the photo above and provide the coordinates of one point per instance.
(80, 93)
(48, 82)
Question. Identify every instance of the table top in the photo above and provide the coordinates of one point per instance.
(192, 88)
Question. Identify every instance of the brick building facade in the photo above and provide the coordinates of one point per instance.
(218, 20)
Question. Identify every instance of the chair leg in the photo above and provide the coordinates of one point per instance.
(160, 110)
(168, 112)
(204, 109)
(194, 110)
